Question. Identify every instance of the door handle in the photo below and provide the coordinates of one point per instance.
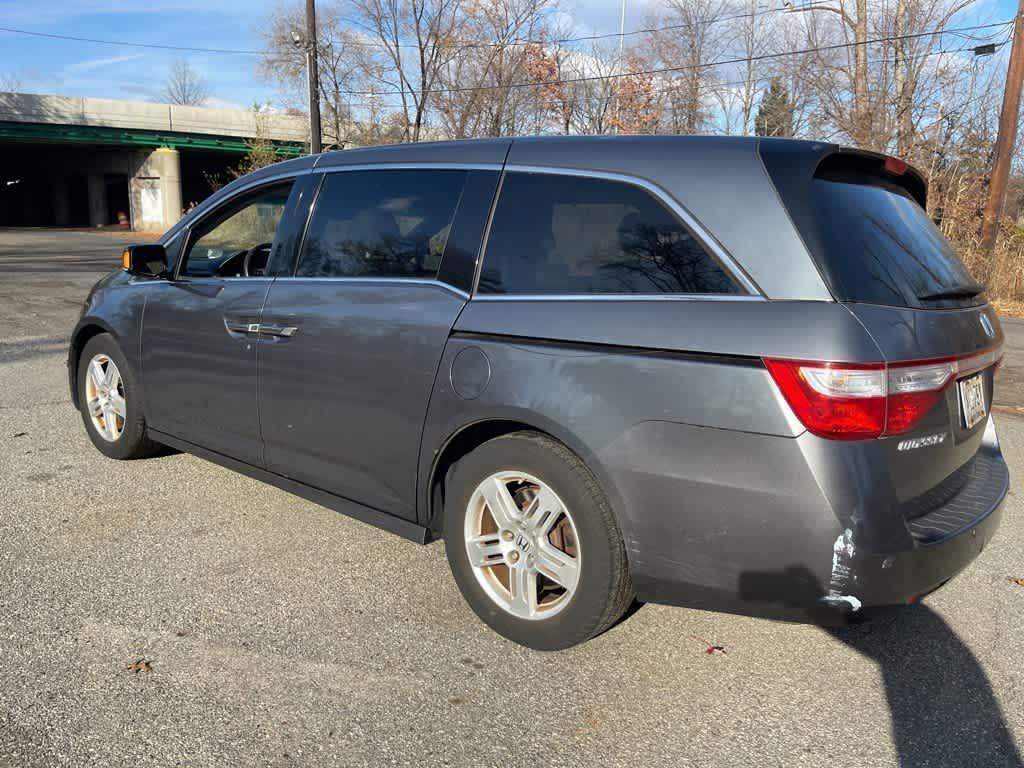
(272, 329)
(261, 329)
(241, 326)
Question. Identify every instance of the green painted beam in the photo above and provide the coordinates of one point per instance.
(134, 137)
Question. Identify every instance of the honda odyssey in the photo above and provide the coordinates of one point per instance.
(734, 374)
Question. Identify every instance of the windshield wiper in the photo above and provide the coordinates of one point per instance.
(959, 292)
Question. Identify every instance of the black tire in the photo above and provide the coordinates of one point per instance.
(133, 442)
(604, 590)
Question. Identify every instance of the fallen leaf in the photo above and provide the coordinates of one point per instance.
(1015, 580)
(183, 632)
(710, 648)
(140, 665)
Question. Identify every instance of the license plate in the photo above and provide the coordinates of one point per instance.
(972, 399)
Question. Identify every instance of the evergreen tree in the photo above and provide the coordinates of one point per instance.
(775, 113)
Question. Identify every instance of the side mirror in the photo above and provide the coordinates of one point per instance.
(149, 260)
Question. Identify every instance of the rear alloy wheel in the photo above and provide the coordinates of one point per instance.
(533, 544)
(522, 544)
(110, 401)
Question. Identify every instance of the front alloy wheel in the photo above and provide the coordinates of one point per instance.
(110, 401)
(104, 397)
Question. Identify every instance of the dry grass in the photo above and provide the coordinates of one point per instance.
(1009, 307)
(1003, 274)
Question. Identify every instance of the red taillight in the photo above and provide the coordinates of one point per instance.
(843, 402)
(858, 401)
(895, 166)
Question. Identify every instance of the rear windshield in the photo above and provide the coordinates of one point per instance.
(873, 241)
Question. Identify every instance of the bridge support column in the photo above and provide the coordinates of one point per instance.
(170, 184)
(61, 206)
(155, 190)
(97, 200)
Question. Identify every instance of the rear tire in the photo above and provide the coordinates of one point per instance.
(110, 401)
(556, 536)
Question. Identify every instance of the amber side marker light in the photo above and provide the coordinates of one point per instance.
(126, 259)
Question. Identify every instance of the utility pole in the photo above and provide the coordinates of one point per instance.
(313, 76)
(622, 41)
(1005, 141)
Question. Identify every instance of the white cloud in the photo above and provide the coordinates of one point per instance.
(215, 102)
(90, 65)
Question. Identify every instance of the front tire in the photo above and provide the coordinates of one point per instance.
(109, 399)
(533, 544)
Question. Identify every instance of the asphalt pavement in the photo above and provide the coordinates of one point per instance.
(170, 612)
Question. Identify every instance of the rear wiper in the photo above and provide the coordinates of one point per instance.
(960, 292)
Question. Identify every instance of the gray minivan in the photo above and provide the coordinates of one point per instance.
(727, 373)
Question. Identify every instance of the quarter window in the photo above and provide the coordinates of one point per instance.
(386, 223)
(235, 241)
(563, 234)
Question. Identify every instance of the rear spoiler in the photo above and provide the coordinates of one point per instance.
(845, 162)
(793, 162)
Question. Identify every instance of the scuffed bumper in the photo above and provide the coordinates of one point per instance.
(769, 526)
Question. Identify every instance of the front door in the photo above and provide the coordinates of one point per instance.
(359, 331)
(198, 336)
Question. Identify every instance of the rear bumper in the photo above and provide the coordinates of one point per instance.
(945, 540)
(757, 527)
(903, 577)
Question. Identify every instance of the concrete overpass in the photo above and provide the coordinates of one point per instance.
(68, 161)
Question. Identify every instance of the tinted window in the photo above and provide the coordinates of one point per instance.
(574, 235)
(381, 224)
(866, 228)
(882, 248)
(245, 227)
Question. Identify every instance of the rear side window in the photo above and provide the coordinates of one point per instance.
(562, 234)
(387, 223)
(871, 239)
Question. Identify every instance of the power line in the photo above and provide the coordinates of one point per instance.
(701, 65)
(684, 68)
(581, 79)
(669, 88)
(512, 42)
(521, 41)
(126, 43)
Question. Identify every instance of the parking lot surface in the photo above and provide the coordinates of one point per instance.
(170, 612)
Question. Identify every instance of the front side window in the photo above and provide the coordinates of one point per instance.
(563, 234)
(386, 223)
(236, 240)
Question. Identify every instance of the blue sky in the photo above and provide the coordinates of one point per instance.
(90, 69)
(69, 68)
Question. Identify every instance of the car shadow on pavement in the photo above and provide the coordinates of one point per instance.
(943, 710)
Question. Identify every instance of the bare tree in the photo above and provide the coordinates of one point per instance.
(342, 68)
(481, 94)
(9, 82)
(185, 85)
(687, 38)
(418, 39)
(752, 35)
